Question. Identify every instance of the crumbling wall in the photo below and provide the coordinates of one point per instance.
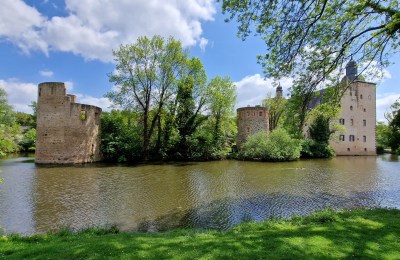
(67, 132)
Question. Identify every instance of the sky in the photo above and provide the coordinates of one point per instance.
(71, 41)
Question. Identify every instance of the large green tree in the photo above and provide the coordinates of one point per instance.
(9, 129)
(222, 100)
(310, 39)
(146, 79)
(393, 118)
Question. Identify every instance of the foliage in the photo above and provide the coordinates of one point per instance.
(221, 94)
(322, 125)
(120, 138)
(275, 146)
(146, 76)
(276, 107)
(175, 109)
(28, 142)
(314, 149)
(9, 129)
(360, 234)
(25, 119)
(393, 118)
(312, 40)
(382, 136)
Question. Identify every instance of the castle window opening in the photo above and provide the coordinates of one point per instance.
(248, 129)
(341, 121)
(364, 138)
(341, 138)
(260, 113)
(351, 138)
(365, 149)
(83, 115)
(360, 96)
(351, 108)
(364, 122)
(365, 110)
(348, 149)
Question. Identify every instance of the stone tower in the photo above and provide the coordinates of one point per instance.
(67, 132)
(251, 120)
(279, 91)
(358, 116)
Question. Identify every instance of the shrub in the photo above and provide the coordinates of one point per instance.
(313, 149)
(276, 146)
(398, 151)
(380, 149)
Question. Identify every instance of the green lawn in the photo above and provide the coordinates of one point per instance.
(364, 234)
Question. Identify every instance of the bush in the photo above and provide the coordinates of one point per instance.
(380, 149)
(398, 151)
(276, 146)
(313, 149)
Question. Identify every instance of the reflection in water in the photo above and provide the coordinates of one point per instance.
(220, 194)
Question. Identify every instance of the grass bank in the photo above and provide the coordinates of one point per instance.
(327, 234)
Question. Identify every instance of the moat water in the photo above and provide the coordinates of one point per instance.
(220, 194)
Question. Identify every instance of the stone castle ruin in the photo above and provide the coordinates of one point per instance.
(67, 132)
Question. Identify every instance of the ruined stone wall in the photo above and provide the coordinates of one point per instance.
(67, 132)
(251, 120)
(359, 118)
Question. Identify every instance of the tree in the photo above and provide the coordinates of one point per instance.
(393, 118)
(276, 108)
(309, 40)
(382, 136)
(184, 113)
(221, 102)
(9, 129)
(146, 75)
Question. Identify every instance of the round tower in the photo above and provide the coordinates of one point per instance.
(251, 120)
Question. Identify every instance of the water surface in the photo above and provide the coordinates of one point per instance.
(220, 194)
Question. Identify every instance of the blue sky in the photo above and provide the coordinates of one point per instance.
(71, 41)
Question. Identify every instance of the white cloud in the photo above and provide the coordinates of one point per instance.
(46, 73)
(21, 95)
(383, 103)
(20, 23)
(251, 90)
(203, 43)
(93, 28)
(103, 103)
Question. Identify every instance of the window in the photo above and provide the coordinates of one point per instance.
(351, 122)
(360, 96)
(341, 121)
(341, 138)
(351, 108)
(364, 138)
(364, 122)
(260, 113)
(248, 129)
(351, 138)
(365, 110)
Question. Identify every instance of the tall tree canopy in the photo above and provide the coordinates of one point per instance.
(147, 75)
(310, 39)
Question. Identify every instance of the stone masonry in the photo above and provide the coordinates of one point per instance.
(67, 132)
(251, 120)
(358, 115)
